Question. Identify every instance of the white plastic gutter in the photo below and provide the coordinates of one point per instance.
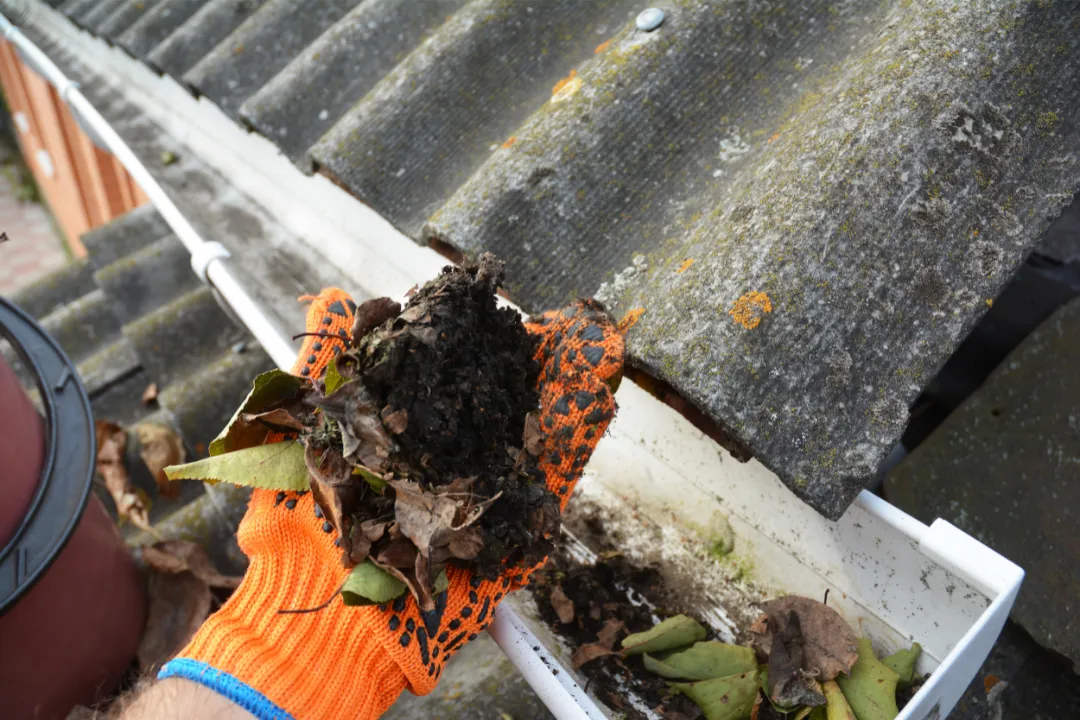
(207, 258)
(557, 690)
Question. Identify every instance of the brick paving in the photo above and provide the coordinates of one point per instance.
(33, 248)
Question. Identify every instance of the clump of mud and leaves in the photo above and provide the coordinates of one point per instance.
(419, 443)
(646, 657)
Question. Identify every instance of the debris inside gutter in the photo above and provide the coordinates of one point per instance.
(653, 639)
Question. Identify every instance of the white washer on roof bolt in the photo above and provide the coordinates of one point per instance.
(650, 19)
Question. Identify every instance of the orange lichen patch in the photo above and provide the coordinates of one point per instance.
(566, 87)
(564, 82)
(685, 265)
(749, 309)
(630, 319)
(509, 142)
(989, 682)
(602, 47)
(774, 138)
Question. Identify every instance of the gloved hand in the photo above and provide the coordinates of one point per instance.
(353, 662)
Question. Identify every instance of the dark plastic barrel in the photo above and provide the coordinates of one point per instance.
(72, 603)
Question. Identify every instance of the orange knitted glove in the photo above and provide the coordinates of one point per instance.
(353, 662)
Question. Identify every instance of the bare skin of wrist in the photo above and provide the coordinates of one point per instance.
(179, 699)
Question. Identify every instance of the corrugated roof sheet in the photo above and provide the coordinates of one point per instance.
(811, 201)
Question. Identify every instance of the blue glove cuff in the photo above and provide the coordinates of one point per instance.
(226, 685)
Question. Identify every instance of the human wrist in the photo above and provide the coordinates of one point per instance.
(180, 699)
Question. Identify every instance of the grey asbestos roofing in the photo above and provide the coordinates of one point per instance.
(811, 202)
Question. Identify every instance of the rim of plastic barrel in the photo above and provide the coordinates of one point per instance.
(70, 455)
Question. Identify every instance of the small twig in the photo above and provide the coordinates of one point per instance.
(826, 600)
(317, 607)
(318, 334)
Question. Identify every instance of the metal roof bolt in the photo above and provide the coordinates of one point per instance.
(650, 19)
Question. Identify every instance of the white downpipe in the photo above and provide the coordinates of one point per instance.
(208, 259)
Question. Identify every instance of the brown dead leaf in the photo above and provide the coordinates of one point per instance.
(111, 452)
(789, 684)
(395, 420)
(564, 606)
(588, 653)
(333, 490)
(277, 419)
(179, 604)
(149, 395)
(177, 556)
(466, 544)
(610, 632)
(831, 645)
(370, 314)
(159, 448)
(534, 436)
(400, 553)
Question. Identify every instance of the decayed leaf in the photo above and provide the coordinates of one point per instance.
(588, 653)
(871, 688)
(333, 490)
(564, 606)
(267, 389)
(534, 436)
(610, 632)
(671, 634)
(368, 584)
(902, 663)
(831, 646)
(837, 707)
(396, 421)
(111, 449)
(278, 419)
(159, 448)
(278, 466)
(605, 641)
(703, 661)
(177, 556)
(726, 698)
(370, 314)
(790, 685)
(364, 440)
(149, 395)
(179, 604)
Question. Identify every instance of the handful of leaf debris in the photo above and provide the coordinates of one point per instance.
(419, 443)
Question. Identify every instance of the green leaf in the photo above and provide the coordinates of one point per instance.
(278, 466)
(333, 378)
(267, 389)
(369, 584)
(441, 583)
(903, 664)
(672, 634)
(726, 698)
(703, 661)
(836, 706)
(377, 483)
(871, 688)
(818, 713)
